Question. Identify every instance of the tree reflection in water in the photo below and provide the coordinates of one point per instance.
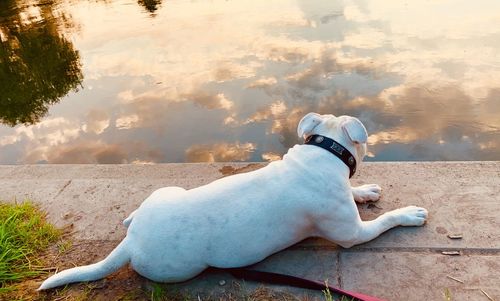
(150, 5)
(38, 65)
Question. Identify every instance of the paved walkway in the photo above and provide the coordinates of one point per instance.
(403, 264)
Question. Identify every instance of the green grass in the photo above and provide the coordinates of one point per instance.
(23, 234)
(157, 292)
(329, 297)
(64, 246)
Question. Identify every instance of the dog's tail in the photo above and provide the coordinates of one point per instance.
(115, 260)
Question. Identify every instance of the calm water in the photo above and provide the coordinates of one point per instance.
(196, 81)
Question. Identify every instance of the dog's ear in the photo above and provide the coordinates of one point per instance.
(355, 130)
(308, 123)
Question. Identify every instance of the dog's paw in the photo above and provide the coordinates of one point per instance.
(411, 215)
(366, 193)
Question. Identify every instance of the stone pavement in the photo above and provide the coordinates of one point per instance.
(402, 264)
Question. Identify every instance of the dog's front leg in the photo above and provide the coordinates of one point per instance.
(407, 216)
(365, 193)
(357, 231)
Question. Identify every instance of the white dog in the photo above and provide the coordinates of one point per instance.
(239, 220)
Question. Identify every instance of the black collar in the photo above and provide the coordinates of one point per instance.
(335, 148)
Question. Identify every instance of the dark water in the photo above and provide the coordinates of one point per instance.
(196, 81)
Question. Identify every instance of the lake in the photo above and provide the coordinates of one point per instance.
(148, 81)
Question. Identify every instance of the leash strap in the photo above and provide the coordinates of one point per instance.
(283, 279)
(336, 149)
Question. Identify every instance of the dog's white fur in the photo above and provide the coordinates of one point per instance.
(240, 220)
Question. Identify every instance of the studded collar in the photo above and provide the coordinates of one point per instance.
(336, 149)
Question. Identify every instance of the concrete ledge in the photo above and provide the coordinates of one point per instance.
(402, 264)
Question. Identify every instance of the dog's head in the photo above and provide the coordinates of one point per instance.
(346, 130)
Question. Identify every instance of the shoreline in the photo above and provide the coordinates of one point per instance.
(462, 198)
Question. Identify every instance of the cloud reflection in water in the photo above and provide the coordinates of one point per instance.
(226, 81)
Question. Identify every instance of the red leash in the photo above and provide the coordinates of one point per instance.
(283, 279)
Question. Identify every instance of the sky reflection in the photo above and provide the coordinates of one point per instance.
(183, 81)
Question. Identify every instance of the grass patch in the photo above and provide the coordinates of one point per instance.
(329, 296)
(157, 292)
(64, 246)
(23, 234)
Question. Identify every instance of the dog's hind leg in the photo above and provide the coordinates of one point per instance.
(161, 192)
(166, 192)
(115, 260)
